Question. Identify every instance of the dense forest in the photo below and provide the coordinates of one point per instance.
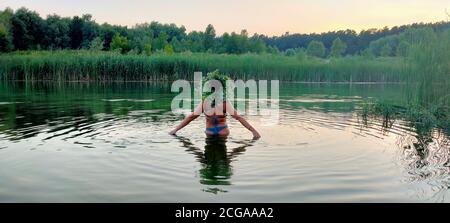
(24, 29)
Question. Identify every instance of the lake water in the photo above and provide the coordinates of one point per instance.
(80, 142)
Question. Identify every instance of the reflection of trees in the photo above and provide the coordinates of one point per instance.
(33, 107)
(215, 160)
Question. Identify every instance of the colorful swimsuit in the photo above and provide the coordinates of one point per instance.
(216, 129)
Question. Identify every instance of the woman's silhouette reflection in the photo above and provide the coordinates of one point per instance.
(215, 160)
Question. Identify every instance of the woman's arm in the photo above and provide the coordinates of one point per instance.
(247, 125)
(188, 119)
(244, 122)
(184, 123)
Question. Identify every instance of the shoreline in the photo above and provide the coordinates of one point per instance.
(170, 81)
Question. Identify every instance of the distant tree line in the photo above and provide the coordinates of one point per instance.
(356, 42)
(24, 29)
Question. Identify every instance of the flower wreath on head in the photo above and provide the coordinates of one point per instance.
(216, 75)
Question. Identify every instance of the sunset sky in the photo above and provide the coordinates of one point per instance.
(261, 16)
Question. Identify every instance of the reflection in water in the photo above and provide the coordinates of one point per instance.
(35, 120)
(426, 158)
(424, 153)
(215, 160)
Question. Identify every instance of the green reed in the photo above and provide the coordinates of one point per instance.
(423, 119)
(430, 81)
(427, 87)
(107, 66)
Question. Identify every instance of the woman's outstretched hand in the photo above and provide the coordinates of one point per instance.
(256, 135)
(173, 132)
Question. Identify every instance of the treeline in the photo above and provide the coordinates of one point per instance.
(356, 42)
(426, 63)
(25, 30)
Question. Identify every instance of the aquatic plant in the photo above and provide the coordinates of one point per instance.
(423, 119)
(109, 66)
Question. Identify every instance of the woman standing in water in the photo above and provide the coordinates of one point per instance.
(216, 114)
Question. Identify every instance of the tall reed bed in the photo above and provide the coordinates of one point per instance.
(427, 88)
(106, 66)
(431, 62)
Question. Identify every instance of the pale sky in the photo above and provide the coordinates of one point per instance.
(268, 17)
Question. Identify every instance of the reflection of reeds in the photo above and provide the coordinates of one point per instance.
(385, 112)
(423, 119)
(426, 158)
(424, 151)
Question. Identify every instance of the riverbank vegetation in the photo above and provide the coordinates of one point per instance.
(58, 48)
(79, 49)
(428, 105)
(84, 65)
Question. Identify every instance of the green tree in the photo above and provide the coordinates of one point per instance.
(27, 29)
(76, 32)
(5, 42)
(120, 43)
(386, 50)
(236, 43)
(90, 30)
(168, 49)
(148, 48)
(289, 52)
(82, 31)
(209, 37)
(96, 44)
(161, 41)
(338, 48)
(5, 17)
(107, 32)
(145, 45)
(5, 33)
(176, 45)
(57, 32)
(301, 54)
(316, 49)
(139, 37)
(367, 53)
(257, 45)
(242, 42)
(194, 42)
(402, 49)
(418, 35)
(273, 50)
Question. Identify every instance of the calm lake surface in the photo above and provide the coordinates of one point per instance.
(80, 142)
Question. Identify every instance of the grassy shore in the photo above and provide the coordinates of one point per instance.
(107, 66)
